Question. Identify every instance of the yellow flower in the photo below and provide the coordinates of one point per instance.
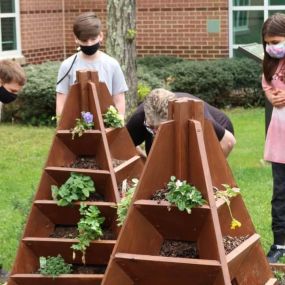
(235, 224)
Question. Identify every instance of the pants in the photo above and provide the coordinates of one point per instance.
(278, 203)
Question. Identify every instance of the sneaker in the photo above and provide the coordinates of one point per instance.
(276, 251)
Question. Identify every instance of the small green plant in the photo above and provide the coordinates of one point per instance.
(143, 91)
(76, 188)
(54, 266)
(131, 34)
(226, 194)
(82, 124)
(113, 119)
(280, 276)
(183, 195)
(124, 204)
(89, 228)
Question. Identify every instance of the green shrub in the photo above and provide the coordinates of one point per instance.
(158, 61)
(36, 102)
(223, 82)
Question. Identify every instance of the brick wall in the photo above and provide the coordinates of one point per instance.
(170, 27)
(42, 35)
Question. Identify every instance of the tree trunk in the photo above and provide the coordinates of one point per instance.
(121, 43)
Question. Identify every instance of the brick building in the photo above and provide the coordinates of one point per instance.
(37, 30)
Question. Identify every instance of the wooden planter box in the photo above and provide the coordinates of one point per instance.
(187, 148)
(104, 145)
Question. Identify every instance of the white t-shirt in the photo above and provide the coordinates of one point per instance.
(108, 68)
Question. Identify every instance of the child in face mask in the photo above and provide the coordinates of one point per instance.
(12, 80)
(88, 36)
(273, 83)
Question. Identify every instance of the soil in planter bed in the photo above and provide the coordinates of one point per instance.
(117, 162)
(95, 196)
(230, 243)
(72, 232)
(88, 269)
(159, 195)
(175, 248)
(87, 162)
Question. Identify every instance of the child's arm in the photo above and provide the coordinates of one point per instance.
(120, 104)
(275, 96)
(60, 100)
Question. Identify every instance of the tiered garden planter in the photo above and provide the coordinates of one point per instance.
(104, 145)
(186, 147)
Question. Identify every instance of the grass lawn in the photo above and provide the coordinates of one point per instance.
(25, 149)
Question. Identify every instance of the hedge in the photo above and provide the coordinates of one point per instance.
(226, 82)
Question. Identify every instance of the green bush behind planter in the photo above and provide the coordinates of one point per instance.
(36, 102)
(222, 83)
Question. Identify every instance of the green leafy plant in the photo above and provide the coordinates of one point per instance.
(183, 195)
(143, 91)
(113, 119)
(124, 204)
(131, 34)
(54, 266)
(226, 195)
(280, 276)
(82, 124)
(76, 188)
(89, 228)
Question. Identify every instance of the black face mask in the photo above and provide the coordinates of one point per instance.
(90, 50)
(6, 96)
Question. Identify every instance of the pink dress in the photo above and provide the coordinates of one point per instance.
(274, 149)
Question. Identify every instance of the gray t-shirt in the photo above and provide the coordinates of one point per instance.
(108, 68)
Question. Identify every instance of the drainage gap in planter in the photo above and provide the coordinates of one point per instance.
(176, 248)
(230, 243)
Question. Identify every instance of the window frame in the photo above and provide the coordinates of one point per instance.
(18, 51)
(266, 8)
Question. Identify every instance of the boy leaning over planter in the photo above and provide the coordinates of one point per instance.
(12, 80)
(144, 123)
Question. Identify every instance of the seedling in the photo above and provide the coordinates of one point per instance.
(82, 124)
(226, 194)
(76, 188)
(113, 119)
(54, 266)
(124, 204)
(89, 228)
(183, 195)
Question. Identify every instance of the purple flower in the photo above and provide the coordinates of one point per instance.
(87, 117)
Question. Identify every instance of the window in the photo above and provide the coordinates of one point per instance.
(246, 18)
(240, 20)
(9, 28)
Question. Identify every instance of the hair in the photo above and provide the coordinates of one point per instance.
(87, 26)
(273, 26)
(156, 105)
(11, 71)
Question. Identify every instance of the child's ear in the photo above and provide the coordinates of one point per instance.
(101, 37)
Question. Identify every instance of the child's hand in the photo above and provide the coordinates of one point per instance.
(277, 98)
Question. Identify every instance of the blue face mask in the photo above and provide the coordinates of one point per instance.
(276, 51)
(6, 96)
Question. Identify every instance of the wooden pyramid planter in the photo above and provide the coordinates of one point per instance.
(188, 149)
(50, 228)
